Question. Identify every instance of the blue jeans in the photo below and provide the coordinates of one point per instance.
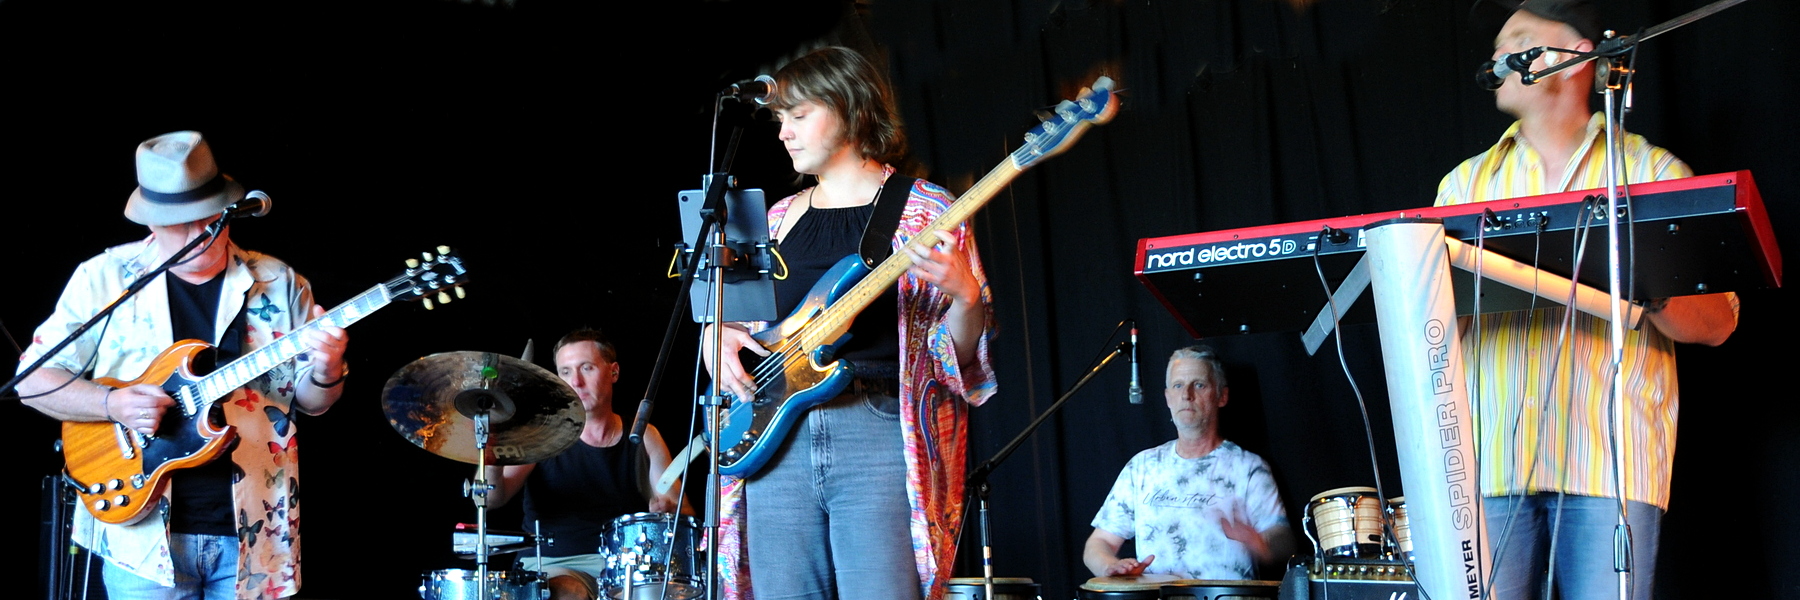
(828, 516)
(1584, 546)
(205, 568)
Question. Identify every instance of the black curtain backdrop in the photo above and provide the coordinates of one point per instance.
(547, 141)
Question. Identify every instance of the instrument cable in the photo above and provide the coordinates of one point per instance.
(1337, 336)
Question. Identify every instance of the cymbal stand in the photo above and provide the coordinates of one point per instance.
(479, 488)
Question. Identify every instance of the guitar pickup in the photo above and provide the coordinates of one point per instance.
(126, 450)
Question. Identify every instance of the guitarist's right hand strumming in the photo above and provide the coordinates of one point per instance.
(735, 339)
(139, 407)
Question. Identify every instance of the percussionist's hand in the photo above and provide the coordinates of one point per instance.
(733, 378)
(1245, 534)
(1129, 567)
(139, 407)
(946, 265)
(327, 345)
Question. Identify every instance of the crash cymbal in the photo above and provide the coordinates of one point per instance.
(432, 401)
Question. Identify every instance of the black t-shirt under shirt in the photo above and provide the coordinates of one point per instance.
(200, 497)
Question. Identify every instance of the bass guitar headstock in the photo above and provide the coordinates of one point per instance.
(1096, 105)
(430, 275)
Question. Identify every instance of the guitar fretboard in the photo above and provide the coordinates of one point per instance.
(235, 374)
(885, 274)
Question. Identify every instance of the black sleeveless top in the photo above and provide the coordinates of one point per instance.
(574, 495)
(821, 238)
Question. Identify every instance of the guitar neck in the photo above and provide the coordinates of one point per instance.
(885, 274)
(235, 374)
(1071, 119)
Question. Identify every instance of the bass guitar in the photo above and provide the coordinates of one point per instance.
(120, 473)
(799, 371)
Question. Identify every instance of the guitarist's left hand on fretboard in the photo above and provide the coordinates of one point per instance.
(325, 353)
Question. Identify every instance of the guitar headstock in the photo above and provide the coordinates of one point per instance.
(430, 275)
(1096, 106)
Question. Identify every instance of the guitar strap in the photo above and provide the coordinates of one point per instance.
(878, 234)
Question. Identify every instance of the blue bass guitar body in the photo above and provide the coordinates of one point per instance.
(799, 373)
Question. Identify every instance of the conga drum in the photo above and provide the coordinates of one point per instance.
(1347, 522)
(1005, 588)
(1402, 528)
(1142, 587)
(1210, 589)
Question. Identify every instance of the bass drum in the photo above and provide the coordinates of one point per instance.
(459, 584)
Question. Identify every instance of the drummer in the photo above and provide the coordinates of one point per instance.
(576, 494)
(1200, 507)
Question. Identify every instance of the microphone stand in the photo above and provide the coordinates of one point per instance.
(714, 217)
(977, 480)
(210, 233)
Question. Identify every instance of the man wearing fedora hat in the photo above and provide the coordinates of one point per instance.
(228, 529)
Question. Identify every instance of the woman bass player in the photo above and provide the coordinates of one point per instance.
(863, 497)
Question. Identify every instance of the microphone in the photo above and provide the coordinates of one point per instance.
(757, 90)
(1493, 73)
(640, 421)
(255, 204)
(1137, 391)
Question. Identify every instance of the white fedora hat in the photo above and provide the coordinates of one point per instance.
(178, 181)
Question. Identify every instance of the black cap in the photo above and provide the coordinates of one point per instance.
(1580, 15)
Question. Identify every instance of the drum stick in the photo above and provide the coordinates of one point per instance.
(678, 465)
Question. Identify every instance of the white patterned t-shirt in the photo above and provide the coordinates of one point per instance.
(1172, 507)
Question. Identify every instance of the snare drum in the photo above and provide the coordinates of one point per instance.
(1142, 587)
(644, 551)
(1206, 589)
(459, 584)
(1005, 588)
(1347, 521)
(1402, 527)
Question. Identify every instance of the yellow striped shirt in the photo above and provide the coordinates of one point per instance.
(1541, 416)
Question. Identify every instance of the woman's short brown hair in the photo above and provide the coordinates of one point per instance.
(842, 80)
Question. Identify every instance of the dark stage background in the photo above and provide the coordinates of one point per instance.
(547, 142)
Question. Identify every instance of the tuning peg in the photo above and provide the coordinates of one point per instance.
(443, 298)
(428, 256)
(428, 304)
(412, 263)
(443, 250)
(460, 293)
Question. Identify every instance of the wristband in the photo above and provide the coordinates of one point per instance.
(333, 383)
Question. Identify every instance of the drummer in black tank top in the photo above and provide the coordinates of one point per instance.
(576, 494)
